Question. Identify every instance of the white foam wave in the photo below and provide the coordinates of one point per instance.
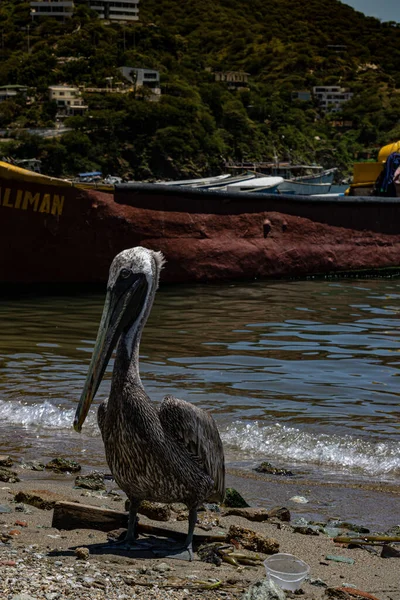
(291, 445)
(43, 415)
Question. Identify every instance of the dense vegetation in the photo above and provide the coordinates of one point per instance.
(285, 45)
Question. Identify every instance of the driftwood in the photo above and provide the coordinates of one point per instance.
(366, 539)
(71, 515)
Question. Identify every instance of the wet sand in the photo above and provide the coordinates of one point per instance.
(41, 561)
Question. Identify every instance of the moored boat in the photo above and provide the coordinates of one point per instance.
(54, 231)
(319, 183)
(266, 185)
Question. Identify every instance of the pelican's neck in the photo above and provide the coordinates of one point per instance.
(126, 375)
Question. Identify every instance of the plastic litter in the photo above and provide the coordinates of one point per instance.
(286, 570)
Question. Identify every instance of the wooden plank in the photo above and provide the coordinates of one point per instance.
(72, 515)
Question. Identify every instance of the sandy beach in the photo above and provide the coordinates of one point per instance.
(39, 562)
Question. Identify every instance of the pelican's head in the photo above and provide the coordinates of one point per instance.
(132, 283)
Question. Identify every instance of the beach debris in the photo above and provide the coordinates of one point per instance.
(20, 507)
(251, 514)
(219, 552)
(331, 531)
(82, 553)
(5, 461)
(182, 516)
(366, 539)
(336, 594)
(233, 499)
(18, 523)
(341, 559)
(395, 530)
(207, 521)
(346, 593)
(92, 481)
(264, 590)
(177, 507)
(14, 532)
(299, 499)
(4, 508)
(212, 553)
(163, 568)
(32, 465)
(63, 465)
(266, 467)
(72, 515)
(8, 476)
(43, 499)
(306, 529)
(246, 538)
(350, 526)
(213, 507)
(156, 511)
(317, 582)
(389, 551)
(280, 512)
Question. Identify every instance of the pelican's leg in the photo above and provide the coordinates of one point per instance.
(130, 542)
(131, 531)
(189, 538)
(181, 551)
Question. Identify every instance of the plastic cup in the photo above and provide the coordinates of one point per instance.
(286, 570)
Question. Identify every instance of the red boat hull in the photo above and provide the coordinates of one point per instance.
(64, 234)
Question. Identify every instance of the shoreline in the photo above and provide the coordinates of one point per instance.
(40, 561)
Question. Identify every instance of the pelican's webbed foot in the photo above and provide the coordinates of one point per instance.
(178, 552)
(181, 551)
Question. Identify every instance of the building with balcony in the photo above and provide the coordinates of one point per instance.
(57, 9)
(8, 92)
(112, 10)
(143, 78)
(68, 99)
(331, 97)
(233, 79)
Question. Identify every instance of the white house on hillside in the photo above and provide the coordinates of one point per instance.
(57, 9)
(68, 98)
(332, 97)
(8, 92)
(147, 78)
(126, 10)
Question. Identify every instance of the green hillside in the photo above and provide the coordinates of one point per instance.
(199, 124)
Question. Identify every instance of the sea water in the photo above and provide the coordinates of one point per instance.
(303, 374)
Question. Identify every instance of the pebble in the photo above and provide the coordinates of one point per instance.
(82, 553)
(162, 568)
(37, 577)
(299, 499)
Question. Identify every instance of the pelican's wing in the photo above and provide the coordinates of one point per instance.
(101, 416)
(196, 430)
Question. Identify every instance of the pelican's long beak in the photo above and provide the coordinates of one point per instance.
(122, 307)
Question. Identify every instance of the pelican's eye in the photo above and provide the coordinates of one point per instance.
(125, 273)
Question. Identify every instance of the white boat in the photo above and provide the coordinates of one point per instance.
(196, 182)
(266, 185)
(307, 185)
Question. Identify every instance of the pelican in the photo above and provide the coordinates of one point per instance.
(170, 452)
